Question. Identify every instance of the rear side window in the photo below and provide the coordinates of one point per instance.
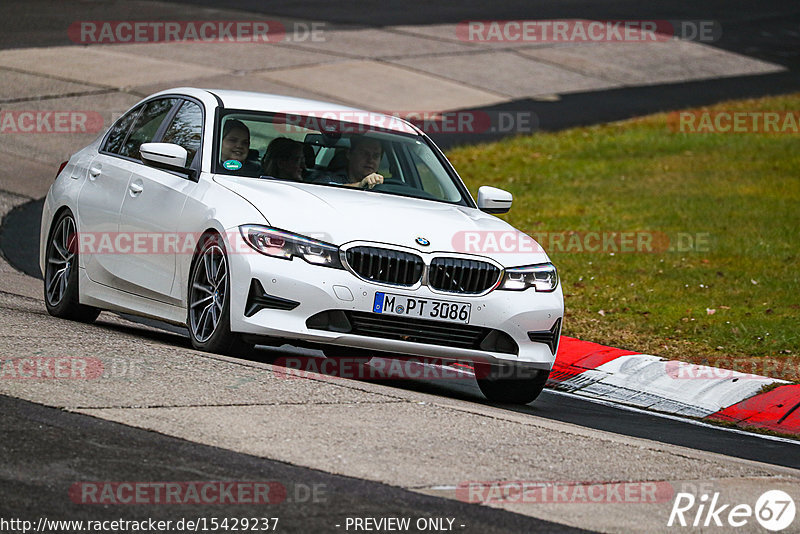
(146, 126)
(186, 129)
(116, 137)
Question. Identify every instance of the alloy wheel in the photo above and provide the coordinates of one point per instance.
(60, 260)
(207, 297)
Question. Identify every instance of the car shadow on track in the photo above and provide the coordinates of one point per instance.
(451, 381)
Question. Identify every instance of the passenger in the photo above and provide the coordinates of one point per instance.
(236, 147)
(285, 159)
(363, 160)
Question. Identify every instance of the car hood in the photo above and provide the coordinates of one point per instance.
(341, 215)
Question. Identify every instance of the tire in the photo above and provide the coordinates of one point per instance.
(510, 384)
(208, 305)
(61, 272)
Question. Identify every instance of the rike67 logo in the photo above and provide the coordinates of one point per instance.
(774, 510)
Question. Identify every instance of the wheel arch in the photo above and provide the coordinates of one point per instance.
(212, 228)
(198, 247)
(46, 231)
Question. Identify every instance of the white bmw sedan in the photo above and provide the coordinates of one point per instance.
(263, 219)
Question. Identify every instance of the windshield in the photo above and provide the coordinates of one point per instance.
(333, 153)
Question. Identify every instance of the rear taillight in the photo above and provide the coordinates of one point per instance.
(61, 167)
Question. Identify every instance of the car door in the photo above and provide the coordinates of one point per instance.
(100, 199)
(107, 184)
(152, 206)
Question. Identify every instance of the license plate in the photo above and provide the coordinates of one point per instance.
(440, 310)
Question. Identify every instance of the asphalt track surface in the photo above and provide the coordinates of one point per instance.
(50, 449)
(45, 450)
(765, 30)
(551, 405)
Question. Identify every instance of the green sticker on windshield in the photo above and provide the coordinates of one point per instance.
(232, 165)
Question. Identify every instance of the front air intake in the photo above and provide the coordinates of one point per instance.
(548, 337)
(385, 266)
(458, 275)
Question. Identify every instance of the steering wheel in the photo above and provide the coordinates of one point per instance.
(391, 181)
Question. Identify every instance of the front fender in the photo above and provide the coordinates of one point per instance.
(211, 208)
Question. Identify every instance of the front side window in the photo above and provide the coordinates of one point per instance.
(336, 154)
(186, 129)
(146, 126)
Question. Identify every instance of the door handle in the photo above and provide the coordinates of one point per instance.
(136, 189)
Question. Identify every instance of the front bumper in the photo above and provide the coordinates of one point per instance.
(317, 289)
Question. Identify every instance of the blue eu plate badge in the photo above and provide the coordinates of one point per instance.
(377, 306)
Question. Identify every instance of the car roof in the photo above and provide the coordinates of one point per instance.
(248, 100)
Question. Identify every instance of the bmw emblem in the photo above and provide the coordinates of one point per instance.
(422, 241)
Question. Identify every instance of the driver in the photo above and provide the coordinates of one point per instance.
(363, 160)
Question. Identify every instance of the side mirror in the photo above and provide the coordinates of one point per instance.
(494, 200)
(165, 156)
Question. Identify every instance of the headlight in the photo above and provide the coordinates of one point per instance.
(541, 277)
(286, 245)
